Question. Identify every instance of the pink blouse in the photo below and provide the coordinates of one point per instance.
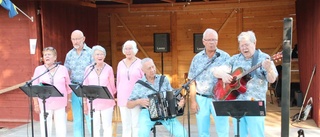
(60, 79)
(106, 79)
(126, 78)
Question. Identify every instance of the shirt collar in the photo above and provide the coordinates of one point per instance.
(144, 78)
(85, 47)
(203, 52)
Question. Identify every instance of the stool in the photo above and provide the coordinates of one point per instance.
(154, 128)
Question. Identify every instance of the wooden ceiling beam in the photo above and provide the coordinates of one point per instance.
(123, 1)
(199, 6)
(118, 1)
(169, 1)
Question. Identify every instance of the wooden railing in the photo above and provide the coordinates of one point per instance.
(12, 87)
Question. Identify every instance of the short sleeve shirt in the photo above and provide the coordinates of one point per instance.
(76, 64)
(139, 91)
(205, 82)
(257, 86)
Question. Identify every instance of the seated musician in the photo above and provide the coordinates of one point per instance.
(139, 96)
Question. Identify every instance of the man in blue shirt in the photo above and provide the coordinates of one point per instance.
(256, 86)
(77, 60)
(139, 96)
(201, 89)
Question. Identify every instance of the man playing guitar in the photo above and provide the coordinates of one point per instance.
(256, 87)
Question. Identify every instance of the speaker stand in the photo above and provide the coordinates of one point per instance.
(162, 63)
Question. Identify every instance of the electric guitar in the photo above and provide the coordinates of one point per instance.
(232, 90)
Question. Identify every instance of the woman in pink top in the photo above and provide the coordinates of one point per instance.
(102, 75)
(56, 107)
(128, 73)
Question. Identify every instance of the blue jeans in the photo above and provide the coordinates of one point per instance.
(203, 119)
(250, 125)
(172, 125)
(77, 116)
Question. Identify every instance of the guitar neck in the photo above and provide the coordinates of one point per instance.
(249, 71)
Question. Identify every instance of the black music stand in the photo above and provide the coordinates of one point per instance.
(91, 92)
(43, 91)
(238, 109)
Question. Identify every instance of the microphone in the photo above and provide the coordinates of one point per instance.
(57, 63)
(80, 84)
(93, 65)
(217, 54)
(214, 57)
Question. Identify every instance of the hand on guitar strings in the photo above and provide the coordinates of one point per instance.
(223, 72)
(227, 78)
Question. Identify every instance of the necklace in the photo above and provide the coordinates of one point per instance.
(128, 64)
(52, 73)
(99, 69)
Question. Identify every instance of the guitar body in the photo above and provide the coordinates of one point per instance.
(232, 90)
(238, 85)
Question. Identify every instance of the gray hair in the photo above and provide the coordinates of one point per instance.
(98, 47)
(249, 35)
(134, 46)
(145, 60)
(207, 31)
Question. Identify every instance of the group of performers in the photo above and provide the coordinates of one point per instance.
(136, 81)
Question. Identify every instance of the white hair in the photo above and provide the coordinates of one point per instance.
(207, 31)
(98, 47)
(249, 35)
(133, 44)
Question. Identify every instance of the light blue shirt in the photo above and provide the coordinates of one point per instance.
(139, 91)
(257, 86)
(76, 64)
(205, 82)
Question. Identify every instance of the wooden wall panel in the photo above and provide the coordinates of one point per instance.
(15, 66)
(112, 26)
(308, 47)
(142, 22)
(57, 28)
(58, 20)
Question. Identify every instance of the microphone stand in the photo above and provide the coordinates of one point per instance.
(28, 84)
(187, 88)
(82, 107)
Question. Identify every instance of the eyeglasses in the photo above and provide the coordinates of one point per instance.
(76, 39)
(128, 48)
(245, 45)
(99, 54)
(214, 40)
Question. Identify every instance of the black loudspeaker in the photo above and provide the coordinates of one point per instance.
(161, 42)
(197, 42)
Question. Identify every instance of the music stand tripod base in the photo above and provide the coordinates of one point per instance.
(43, 92)
(91, 92)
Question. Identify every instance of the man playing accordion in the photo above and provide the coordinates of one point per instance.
(139, 96)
